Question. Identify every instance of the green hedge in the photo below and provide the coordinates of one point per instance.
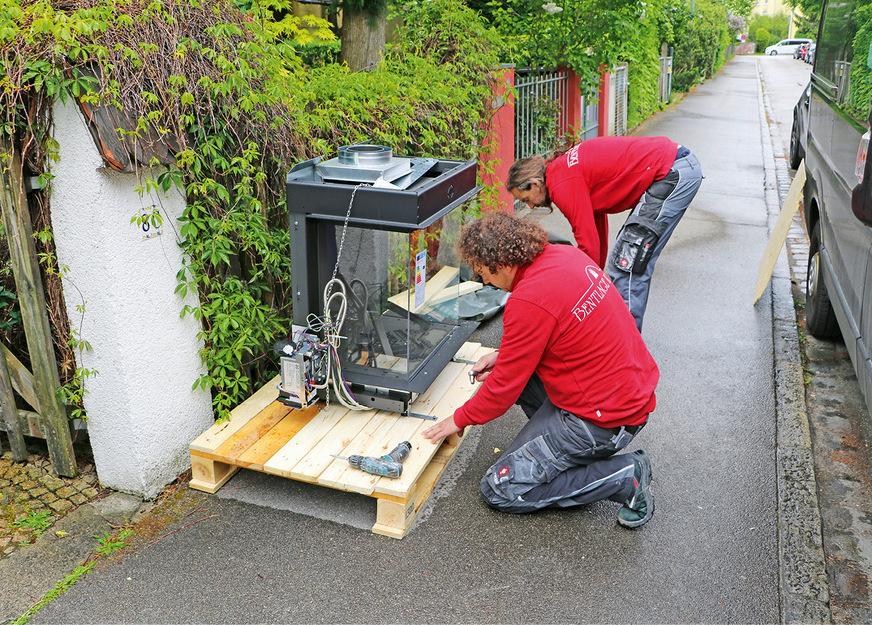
(701, 40)
(232, 88)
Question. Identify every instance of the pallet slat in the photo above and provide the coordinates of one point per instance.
(416, 464)
(468, 351)
(341, 475)
(213, 437)
(277, 437)
(313, 464)
(284, 461)
(256, 428)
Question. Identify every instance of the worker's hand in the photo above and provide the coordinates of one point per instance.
(446, 427)
(483, 367)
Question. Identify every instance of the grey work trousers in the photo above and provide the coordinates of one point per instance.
(559, 460)
(667, 210)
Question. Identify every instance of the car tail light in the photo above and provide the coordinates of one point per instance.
(860, 169)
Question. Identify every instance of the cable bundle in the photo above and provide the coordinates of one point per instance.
(331, 330)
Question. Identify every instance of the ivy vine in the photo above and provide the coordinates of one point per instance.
(228, 91)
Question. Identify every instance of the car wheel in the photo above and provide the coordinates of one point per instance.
(820, 320)
(773, 53)
(796, 155)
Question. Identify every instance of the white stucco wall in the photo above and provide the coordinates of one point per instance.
(142, 413)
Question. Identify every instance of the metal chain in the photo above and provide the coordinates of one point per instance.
(333, 277)
(342, 241)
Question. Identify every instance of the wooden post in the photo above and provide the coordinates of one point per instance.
(31, 299)
(21, 378)
(10, 414)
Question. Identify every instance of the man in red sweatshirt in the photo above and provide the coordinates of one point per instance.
(574, 361)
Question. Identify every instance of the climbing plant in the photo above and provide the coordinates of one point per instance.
(704, 36)
(642, 53)
(588, 36)
(584, 35)
(227, 90)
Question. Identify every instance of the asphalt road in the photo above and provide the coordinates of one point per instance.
(710, 554)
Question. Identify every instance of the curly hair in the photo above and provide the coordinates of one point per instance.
(500, 238)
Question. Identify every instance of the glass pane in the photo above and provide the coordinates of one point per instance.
(402, 296)
(859, 92)
(832, 53)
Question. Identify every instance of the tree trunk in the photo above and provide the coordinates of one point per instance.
(363, 40)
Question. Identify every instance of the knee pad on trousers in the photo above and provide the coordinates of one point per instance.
(492, 497)
(662, 188)
(497, 500)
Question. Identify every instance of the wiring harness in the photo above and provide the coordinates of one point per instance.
(331, 329)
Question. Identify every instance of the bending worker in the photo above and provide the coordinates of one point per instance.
(653, 176)
(571, 357)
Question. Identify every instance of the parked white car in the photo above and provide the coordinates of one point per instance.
(786, 46)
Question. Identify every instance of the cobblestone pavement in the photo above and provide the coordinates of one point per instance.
(33, 497)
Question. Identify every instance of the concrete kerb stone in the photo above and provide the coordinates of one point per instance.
(802, 567)
(118, 508)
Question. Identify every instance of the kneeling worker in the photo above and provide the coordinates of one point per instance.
(572, 358)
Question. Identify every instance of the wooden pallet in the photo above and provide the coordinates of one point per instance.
(264, 435)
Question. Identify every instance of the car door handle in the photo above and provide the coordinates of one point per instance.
(824, 85)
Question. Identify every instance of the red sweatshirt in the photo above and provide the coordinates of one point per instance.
(605, 175)
(566, 321)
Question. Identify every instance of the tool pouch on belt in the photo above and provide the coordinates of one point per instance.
(641, 231)
(635, 244)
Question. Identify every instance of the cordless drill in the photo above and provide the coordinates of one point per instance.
(388, 465)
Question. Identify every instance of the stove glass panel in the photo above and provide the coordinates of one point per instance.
(402, 295)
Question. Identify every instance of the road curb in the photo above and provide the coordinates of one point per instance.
(804, 591)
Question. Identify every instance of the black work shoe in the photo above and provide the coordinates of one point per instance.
(640, 507)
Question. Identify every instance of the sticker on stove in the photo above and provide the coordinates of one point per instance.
(420, 277)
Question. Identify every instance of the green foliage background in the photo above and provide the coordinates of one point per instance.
(774, 27)
(230, 90)
(583, 35)
(642, 53)
(588, 35)
(860, 93)
(699, 51)
(762, 37)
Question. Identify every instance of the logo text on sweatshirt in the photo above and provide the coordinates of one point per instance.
(599, 285)
(572, 156)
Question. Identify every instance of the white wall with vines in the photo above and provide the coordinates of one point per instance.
(119, 281)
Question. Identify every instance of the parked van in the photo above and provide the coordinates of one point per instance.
(835, 111)
(786, 46)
